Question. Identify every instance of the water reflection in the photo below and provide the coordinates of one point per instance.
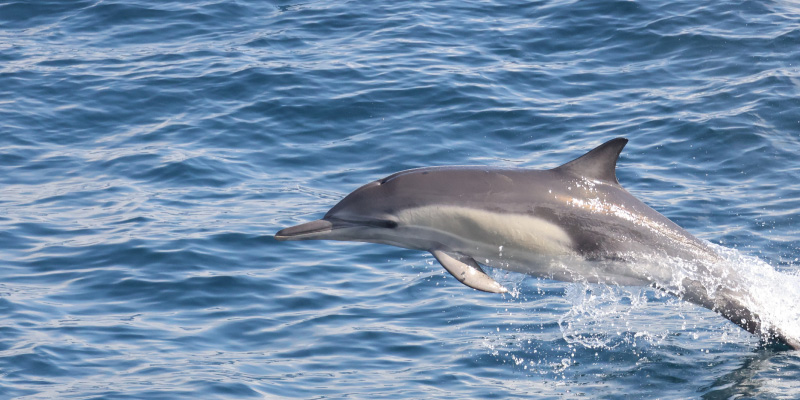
(769, 372)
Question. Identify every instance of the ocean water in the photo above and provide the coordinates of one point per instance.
(149, 150)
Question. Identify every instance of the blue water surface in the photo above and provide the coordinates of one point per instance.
(149, 150)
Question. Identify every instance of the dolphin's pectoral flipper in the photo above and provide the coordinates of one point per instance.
(467, 271)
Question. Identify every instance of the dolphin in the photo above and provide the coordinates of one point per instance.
(572, 223)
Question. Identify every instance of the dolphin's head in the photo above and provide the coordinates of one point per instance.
(365, 215)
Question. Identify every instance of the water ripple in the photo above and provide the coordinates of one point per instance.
(149, 150)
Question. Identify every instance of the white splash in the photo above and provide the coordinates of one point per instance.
(772, 295)
(600, 312)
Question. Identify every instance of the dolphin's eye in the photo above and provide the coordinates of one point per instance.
(381, 223)
(385, 223)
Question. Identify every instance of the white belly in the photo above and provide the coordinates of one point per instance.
(487, 234)
(515, 242)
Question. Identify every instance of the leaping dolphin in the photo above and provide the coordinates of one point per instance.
(570, 223)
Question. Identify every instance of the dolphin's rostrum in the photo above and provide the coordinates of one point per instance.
(570, 223)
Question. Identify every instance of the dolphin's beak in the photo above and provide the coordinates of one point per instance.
(309, 230)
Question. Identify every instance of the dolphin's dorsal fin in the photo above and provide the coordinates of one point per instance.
(599, 164)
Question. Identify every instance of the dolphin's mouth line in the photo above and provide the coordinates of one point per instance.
(339, 223)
